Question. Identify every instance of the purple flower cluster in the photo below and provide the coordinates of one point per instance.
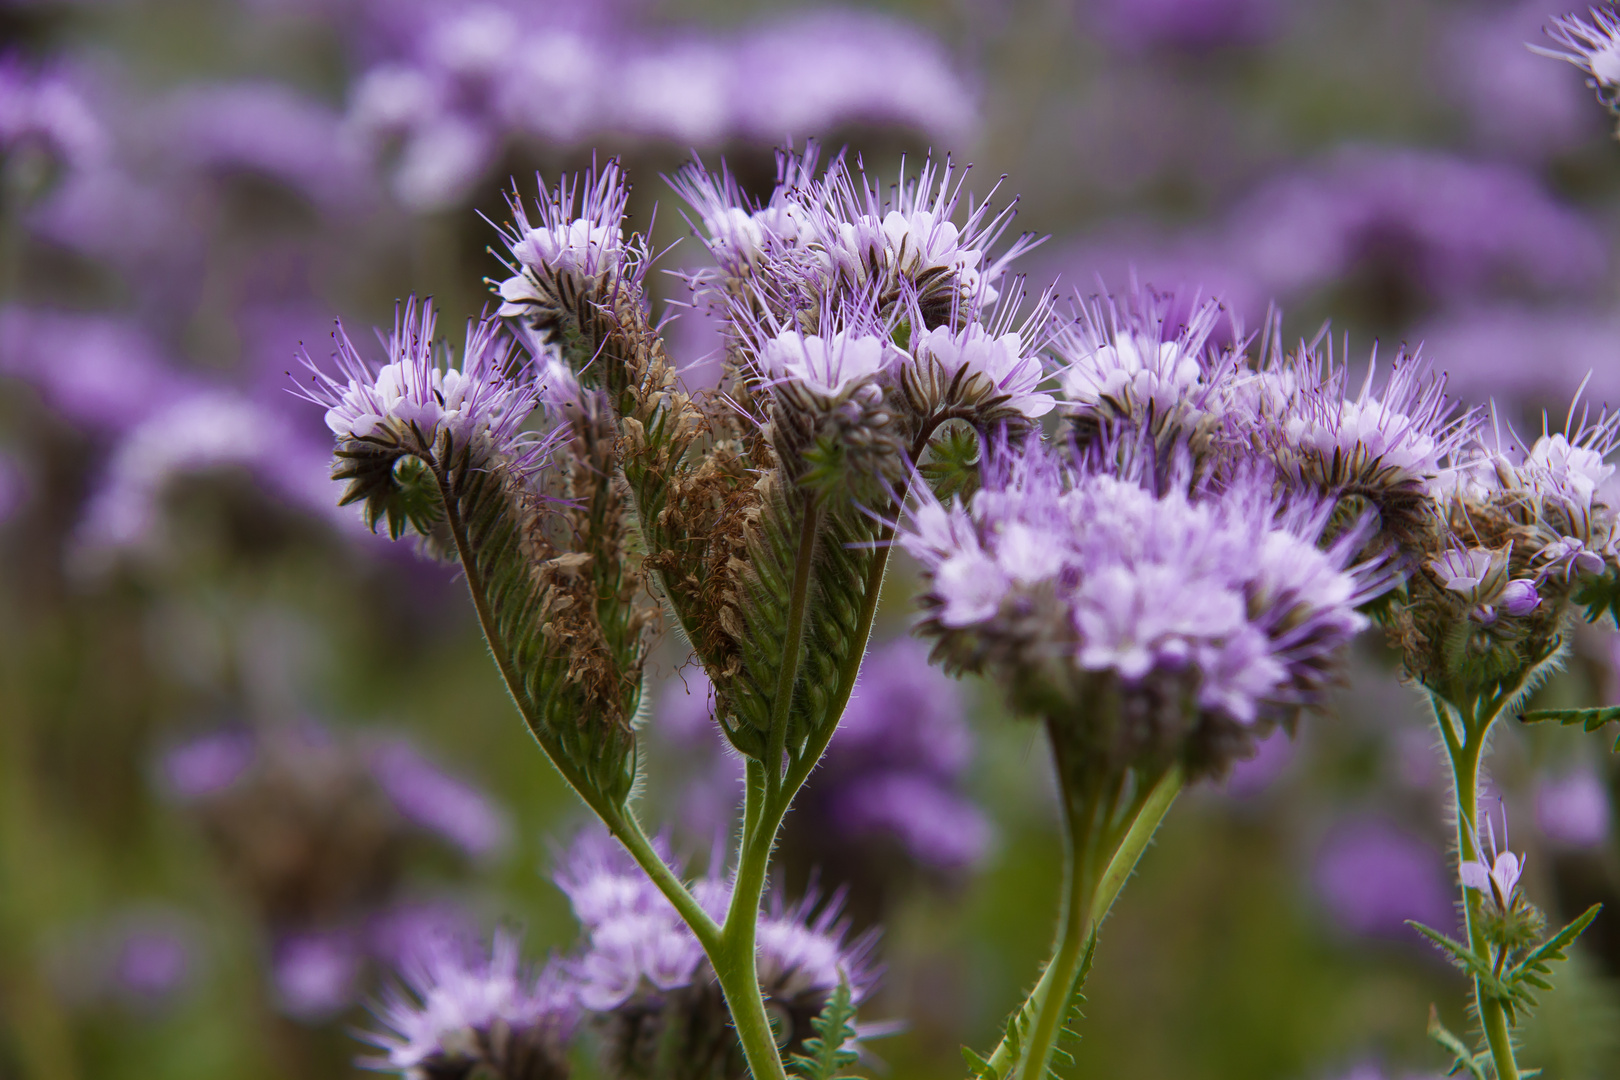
(462, 80)
(1216, 608)
(1433, 227)
(464, 1014)
(313, 829)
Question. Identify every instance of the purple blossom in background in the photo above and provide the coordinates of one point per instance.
(1456, 227)
(1191, 25)
(1452, 229)
(1252, 776)
(143, 959)
(1525, 354)
(99, 372)
(153, 963)
(316, 973)
(209, 763)
(1515, 100)
(43, 111)
(1574, 809)
(436, 113)
(427, 796)
(894, 770)
(264, 128)
(197, 434)
(1372, 876)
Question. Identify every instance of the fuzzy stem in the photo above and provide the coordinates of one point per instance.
(1085, 818)
(787, 676)
(734, 959)
(1465, 758)
(1135, 831)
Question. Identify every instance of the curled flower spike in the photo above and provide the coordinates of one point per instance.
(1593, 46)
(461, 1014)
(866, 240)
(586, 246)
(418, 396)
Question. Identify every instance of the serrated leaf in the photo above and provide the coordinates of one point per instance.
(1462, 1057)
(1539, 960)
(978, 1067)
(827, 1057)
(1589, 719)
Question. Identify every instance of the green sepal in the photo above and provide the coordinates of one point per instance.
(394, 487)
(952, 468)
(1589, 719)
(827, 1057)
(1462, 1057)
(1600, 596)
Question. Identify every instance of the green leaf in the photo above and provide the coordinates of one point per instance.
(1600, 596)
(827, 1057)
(1463, 1058)
(1537, 963)
(1588, 719)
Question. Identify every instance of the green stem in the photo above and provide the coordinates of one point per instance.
(1085, 815)
(734, 960)
(1144, 822)
(1465, 758)
(1136, 830)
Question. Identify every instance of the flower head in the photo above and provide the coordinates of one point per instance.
(1147, 582)
(1593, 46)
(418, 397)
(995, 370)
(829, 365)
(560, 243)
(459, 1013)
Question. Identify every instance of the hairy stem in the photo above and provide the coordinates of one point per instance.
(1085, 818)
(1465, 755)
(1134, 831)
(787, 675)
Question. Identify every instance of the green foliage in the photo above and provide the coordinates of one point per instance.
(1600, 596)
(1463, 1060)
(1513, 985)
(1003, 1062)
(827, 1057)
(394, 486)
(952, 468)
(1589, 719)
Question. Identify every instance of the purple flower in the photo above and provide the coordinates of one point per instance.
(1009, 365)
(827, 366)
(426, 796)
(418, 397)
(560, 243)
(1519, 598)
(140, 958)
(1372, 877)
(209, 763)
(407, 933)
(457, 1015)
(1499, 878)
(1193, 25)
(1592, 46)
(316, 973)
(95, 371)
(1574, 809)
(44, 111)
(153, 963)
(932, 822)
(267, 129)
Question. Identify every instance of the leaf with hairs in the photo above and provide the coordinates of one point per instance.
(827, 1057)
(1587, 719)
(1462, 1058)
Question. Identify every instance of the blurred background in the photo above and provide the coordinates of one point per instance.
(248, 753)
